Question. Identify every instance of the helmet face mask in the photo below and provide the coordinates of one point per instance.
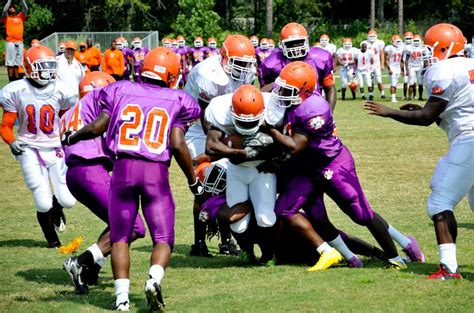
(285, 95)
(428, 58)
(296, 47)
(372, 38)
(347, 45)
(198, 43)
(44, 71)
(416, 42)
(213, 178)
(247, 125)
(137, 44)
(240, 69)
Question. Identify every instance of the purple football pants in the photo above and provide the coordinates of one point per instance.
(89, 183)
(138, 180)
(338, 179)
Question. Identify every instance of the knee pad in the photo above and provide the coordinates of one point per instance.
(43, 202)
(437, 203)
(241, 225)
(266, 220)
(66, 200)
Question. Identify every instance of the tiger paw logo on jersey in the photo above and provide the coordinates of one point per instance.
(317, 122)
(437, 90)
(328, 174)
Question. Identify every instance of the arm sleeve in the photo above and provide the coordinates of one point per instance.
(440, 87)
(106, 99)
(9, 119)
(8, 99)
(189, 112)
(328, 77)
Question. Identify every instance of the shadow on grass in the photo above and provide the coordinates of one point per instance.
(27, 243)
(56, 276)
(425, 269)
(466, 225)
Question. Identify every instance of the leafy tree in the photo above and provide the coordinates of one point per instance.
(197, 18)
(39, 18)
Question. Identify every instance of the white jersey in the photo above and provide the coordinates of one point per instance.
(364, 60)
(377, 47)
(414, 55)
(453, 80)
(331, 48)
(346, 56)
(70, 74)
(38, 110)
(394, 56)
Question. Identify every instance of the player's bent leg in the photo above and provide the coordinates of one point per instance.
(241, 225)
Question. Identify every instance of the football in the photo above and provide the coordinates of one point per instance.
(235, 141)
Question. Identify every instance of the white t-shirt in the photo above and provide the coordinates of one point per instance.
(70, 74)
(38, 110)
(453, 80)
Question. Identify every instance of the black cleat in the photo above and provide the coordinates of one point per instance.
(154, 296)
(363, 97)
(383, 97)
(72, 267)
(371, 98)
(229, 248)
(90, 274)
(200, 249)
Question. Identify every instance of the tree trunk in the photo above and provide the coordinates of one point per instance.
(380, 11)
(400, 17)
(372, 14)
(269, 21)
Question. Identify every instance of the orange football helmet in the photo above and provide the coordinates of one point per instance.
(443, 41)
(294, 41)
(174, 43)
(198, 42)
(61, 47)
(372, 35)
(94, 80)
(254, 41)
(35, 42)
(121, 42)
(271, 43)
(408, 37)
(212, 42)
(136, 43)
(181, 41)
(41, 65)
(324, 40)
(212, 177)
(238, 57)
(264, 43)
(162, 64)
(247, 109)
(296, 82)
(166, 42)
(347, 43)
(396, 40)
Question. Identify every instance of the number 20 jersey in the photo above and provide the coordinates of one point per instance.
(38, 110)
(142, 116)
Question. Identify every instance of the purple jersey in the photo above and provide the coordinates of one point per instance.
(198, 54)
(138, 56)
(84, 112)
(262, 54)
(313, 117)
(319, 58)
(142, 116)
(127, 57)
(213, 51)
(183, 54)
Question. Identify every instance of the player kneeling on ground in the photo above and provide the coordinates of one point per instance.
(145, 125)
(37, 101)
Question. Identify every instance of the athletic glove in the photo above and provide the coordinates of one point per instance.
(65, 138)
(16, 148)
(252, 152)
(197, 188)
(259, 140)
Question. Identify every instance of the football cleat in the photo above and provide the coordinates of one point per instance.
(59, 219)
(363, 97)
(200, 249)
(90, 274)
(74, 269)
(229, 248)
(371, 98)
(397, 265)
(124, 306)
(154, 296)
(383, 97)
(413, 251)
(326, 260)
(355, 262)
(445, 274)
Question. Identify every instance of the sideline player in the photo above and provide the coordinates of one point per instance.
(363, 63)
(145, 126)
(413, 63)
(294, 43)
(449, 81)
(37, 102)
(377, 46)
(88, 179)
(215, 76)
(138, 53)
(346, 58)
(393, 57)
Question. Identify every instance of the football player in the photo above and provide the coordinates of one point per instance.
(87, 177)
(183, 52)
(363, 62)
(271, 44)
(212, 47)
(320, 163)
(122, 45)
(37, 101)
(130, 111)
(166, 42)
(199, 52)
(407, 44)
(254, 41)
(449, 81)
(139, 53)
(377, 46)
(393, 58)
(215, 76)
(326, 45)
(294, 44)
(346, 58)
(413, 61)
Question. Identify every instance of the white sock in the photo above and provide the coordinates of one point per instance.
(324, 247)
(157, 272)
(382, 93)
(96, 253)
(447, 256)
(394, 97)
(400, 238)
(122, 286)
(341, 246)
(397, 259)
(101, 262)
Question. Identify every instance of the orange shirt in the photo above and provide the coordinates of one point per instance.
(113, 62)
(83, 58)
(95, 56)
(14, 27)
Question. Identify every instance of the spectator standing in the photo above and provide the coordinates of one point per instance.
(95, 56)
(14, 47)
(83, 56)
(70, 71)
(114, 63)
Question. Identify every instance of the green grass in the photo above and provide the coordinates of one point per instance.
(394, 163)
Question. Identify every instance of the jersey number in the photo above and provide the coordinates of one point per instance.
(46, 119)
(397, 57)
(155, 126)
(74, 123)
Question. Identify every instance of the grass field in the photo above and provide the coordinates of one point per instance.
(394, 163)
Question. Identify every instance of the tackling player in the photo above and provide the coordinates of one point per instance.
(449, 81)
(37, 101)
(145, 126)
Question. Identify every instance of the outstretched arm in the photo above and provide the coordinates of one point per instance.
(5, 8)
(410, 114)
(181, 154)
(24, 8)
